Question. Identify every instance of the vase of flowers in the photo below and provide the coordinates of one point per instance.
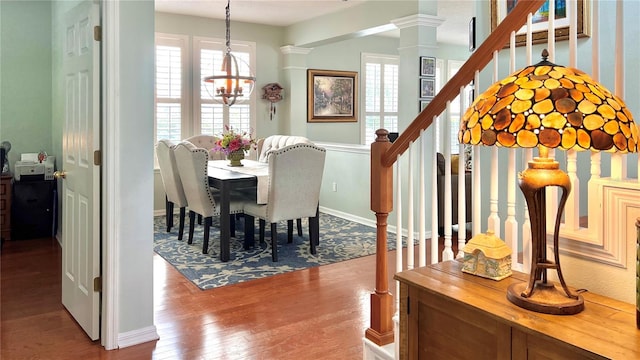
(233, 144)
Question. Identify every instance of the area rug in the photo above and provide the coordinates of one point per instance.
(340, 240)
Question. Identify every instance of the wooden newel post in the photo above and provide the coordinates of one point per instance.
(381, 328)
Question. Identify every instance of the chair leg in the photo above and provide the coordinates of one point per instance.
(299, 223)
(314, 234)
(192, 221)
(199, 219)
(261, 226)
(181, 228)
(232, 225)
(205, 242)
(274, 243)
(168, 212)
(317, 225)
(249, 230)
(289, 231)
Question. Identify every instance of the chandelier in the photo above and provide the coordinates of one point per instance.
(229, 83)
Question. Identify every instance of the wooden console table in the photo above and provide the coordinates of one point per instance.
(447, 314)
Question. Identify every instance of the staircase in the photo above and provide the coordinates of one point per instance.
(597, 233)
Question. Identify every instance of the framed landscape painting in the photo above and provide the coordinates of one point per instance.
(332, 96)
(540, 21)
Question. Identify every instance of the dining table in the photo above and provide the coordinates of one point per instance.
(252, 175)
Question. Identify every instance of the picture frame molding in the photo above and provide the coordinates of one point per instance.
(351, 76)
(540, 36)
(472, 34)
(423, 103)
(427, 66)
(429, 92)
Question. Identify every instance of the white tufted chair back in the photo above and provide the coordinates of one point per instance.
(275, 142)
(169, 173)
(192, 164)
(206, 142)
(295, 176)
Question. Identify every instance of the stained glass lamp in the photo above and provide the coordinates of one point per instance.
(548, 106)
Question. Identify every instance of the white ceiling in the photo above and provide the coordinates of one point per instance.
(457, 13)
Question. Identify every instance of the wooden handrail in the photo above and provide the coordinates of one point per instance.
(478, 60)
(384, 154)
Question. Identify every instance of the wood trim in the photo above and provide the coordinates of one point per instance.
(381, 329)
(111, 191)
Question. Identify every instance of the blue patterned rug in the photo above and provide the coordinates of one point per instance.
(340, 240)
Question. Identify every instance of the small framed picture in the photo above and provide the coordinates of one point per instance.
(424, 103)
(427, 87)
(427, 66)
(472, 34)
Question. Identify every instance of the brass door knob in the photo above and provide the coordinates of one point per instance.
(60, 174)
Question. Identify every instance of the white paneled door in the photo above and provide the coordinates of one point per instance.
(80, 175)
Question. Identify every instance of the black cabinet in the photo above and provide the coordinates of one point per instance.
(33, 209)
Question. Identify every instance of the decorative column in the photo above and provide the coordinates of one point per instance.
(295, 102)
(417, 38)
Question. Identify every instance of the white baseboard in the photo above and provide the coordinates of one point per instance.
(138, 336)
(350, 217)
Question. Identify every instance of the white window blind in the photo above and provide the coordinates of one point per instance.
(380, 95)
(169, 99)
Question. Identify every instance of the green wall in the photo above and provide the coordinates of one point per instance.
(25, 77)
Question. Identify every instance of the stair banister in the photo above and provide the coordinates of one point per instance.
(478, 60)
(384, 155)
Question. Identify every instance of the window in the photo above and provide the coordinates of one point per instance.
(170, 99)
(380, 77)
(177, 116)
(212, 117)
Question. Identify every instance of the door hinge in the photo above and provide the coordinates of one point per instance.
(97, 33)
(97, 158)
(97, 284)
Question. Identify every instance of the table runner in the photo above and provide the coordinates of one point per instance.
(250, 167)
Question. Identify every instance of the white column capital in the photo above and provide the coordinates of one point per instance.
(418, 20)
(290, 49)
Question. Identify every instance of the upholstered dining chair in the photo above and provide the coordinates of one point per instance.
(172, 184)
(295, 177)
(192, 164)
(206, 142)
(274, 142)
(264, 146)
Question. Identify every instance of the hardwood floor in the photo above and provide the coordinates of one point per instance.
(317, 313)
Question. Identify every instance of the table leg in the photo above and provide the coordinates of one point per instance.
(225, 229)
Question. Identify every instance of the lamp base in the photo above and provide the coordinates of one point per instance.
(546, 298)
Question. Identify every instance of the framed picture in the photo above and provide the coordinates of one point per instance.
(427, 66)
(427, 87)
(472, 34)
(540, 24)
(424, 103)
(332, 96)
